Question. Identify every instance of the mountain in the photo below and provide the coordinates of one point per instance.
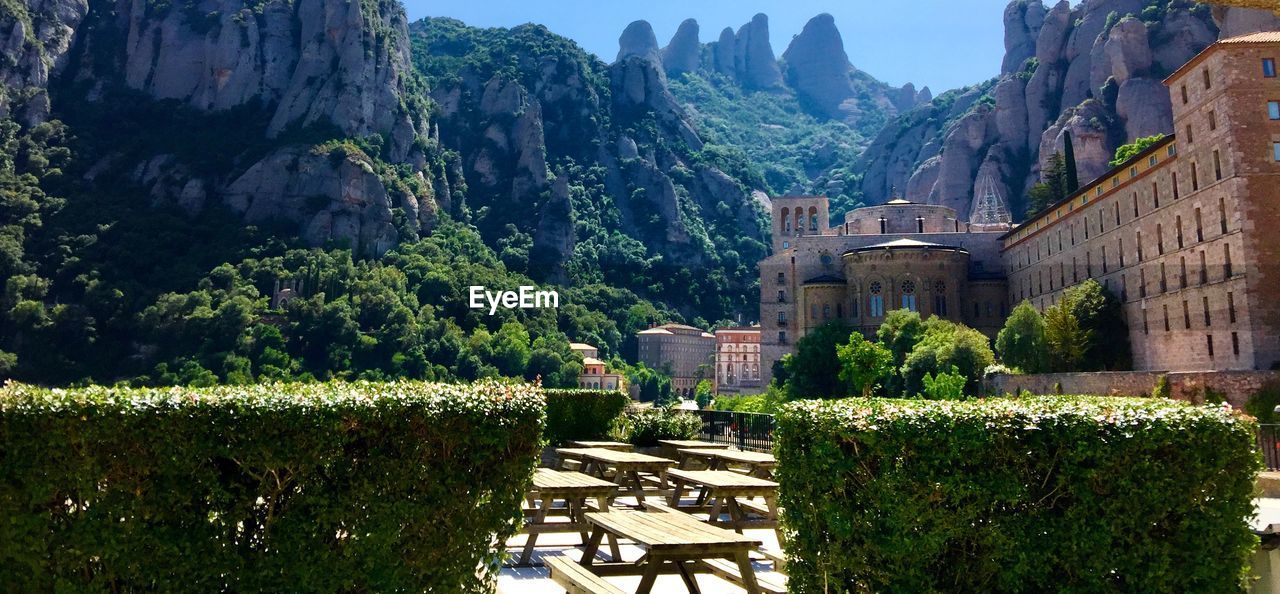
(1094, 71)
(800, 119)
(291, 189)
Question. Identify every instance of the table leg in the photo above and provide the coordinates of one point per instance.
(748, 573)
(702, 497)
(532, 538)
(686, 574)
(684, 461)
(678, 490)
(736, 517)
(637, 486)
(714, 518)
(593, 545)
(614, 553)
(650, 575)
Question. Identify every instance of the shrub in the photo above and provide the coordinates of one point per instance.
(1262, 404)
(644, 428)
(583, 414)
(308, 488)
(1043, 494)
(944, 386)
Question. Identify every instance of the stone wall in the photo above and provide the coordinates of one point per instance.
(1235, 386)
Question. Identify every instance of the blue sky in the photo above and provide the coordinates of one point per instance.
(940, 43)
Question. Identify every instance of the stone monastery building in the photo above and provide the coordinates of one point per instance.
(1186, 234)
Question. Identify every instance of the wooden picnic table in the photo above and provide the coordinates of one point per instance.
(574, 488)
(758, 464)
(719, 491)
(685, 443)
(673, 543)
(565, 455)
(627, 468)
(604, 445)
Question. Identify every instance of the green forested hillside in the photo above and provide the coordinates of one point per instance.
(106, 279)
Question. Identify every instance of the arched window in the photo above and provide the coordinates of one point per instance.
(875, 305)
(940, 298)
(786, 221)
(813, 219)
(909, 295)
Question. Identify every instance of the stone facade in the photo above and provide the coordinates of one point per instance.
(1194, 386)
(683, 352)
(881, 258)
(1184, 232)
(738, 361)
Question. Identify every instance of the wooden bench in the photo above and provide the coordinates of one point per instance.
(577, 579)
(729, 571)
(575, 490)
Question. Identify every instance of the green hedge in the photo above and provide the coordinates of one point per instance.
(583, 414)
(646, 427)
(361, 487)
(1054, 494)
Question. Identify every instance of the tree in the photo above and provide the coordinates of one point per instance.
(814, 370)
(863, 364)
(1131, 150)
(704, 394)
(1053, 186)
(900, 332)
(1101, 315)
(1021, 343)
(948, 345)
(1069, 164)
(1066, 340)
(947, 385)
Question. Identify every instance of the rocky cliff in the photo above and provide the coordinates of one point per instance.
(1093, 70)
(584, 160)
(335, 69)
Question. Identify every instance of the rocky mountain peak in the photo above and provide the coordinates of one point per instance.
(818, 67)
(638, 40)
(753, 56)
(684, 53)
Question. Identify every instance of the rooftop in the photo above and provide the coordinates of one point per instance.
(581, 346)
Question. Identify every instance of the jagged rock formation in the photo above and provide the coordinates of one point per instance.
(753, 56)
(1094, 70)
(818, 67)
(306, 64)
(638, 40)
(684, 53)
(532, 142)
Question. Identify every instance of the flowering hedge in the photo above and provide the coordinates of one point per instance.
(1075, 494)
(583, 414)
(321, 487)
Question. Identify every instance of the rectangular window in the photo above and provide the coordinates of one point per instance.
(1166, 318)
(1209, 342)
(1182, 272)
(1273, 110)
(1104, 260)
(1213, 120)
(1235, 344)
(1146, 328)
(1217, 166)
(1155, 195)
(1142, 283)
(1226, 261)
(1117, 213)
(1199, 227)
(1204, 268)
(1195, 177)
(1160, 239)
(1176, 192)
(782, 296)
(1269, 67)
(1139, 246)
(782, 278)
(1135, 205)
(1164, 279)
(1178, 221)
(1190, 136)
(1133, 171)
(1222, 214)
(1186, 315)
(1185, 98)
(1275, 151)
(1121, 250)
(1208, 82)
(1208, 320)
(1124, 289)
(1231, 307)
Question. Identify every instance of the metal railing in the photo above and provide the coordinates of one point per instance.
(1269, 444)
(746, 431)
